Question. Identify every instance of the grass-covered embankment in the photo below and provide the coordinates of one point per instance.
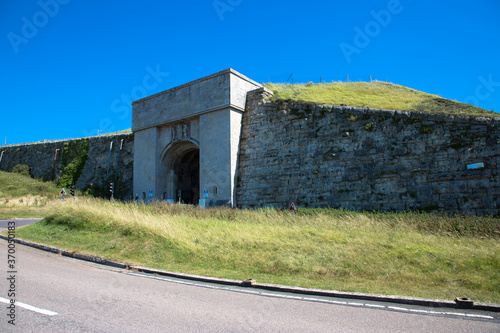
(22, 196)
(375, 95)
(14, 185)
(411, 254)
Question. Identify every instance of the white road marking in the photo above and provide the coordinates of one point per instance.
(455, 314)
(294, 297)
(375, 306)
(479, 316)
(420, 311)
(397, 308)
(356, 304)
(322, 300)
(29, 307)
(311, 299)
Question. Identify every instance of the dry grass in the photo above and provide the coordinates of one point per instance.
(412, 254)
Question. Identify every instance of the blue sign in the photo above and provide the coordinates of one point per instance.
(205, 194)
(150, 193)
(475, 166)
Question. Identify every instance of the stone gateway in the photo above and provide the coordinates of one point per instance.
(186, 140)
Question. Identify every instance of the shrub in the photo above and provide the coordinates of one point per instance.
(21, 169)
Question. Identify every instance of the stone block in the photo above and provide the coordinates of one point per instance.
(450, 205)
(478, 184)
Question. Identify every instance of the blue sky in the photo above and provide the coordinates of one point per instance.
(70, 68)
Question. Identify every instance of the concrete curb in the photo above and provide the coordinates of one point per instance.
(272, 287)
(71, 254)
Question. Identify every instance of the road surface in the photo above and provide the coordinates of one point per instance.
(60, 294)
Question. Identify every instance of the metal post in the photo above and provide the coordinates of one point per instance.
(109, 159)
(54, 166)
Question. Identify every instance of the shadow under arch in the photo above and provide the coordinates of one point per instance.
(180, 172)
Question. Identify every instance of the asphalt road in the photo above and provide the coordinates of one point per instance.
(19, 223)
(70, 295)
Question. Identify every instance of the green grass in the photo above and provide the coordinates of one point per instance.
(23, 196)
(126, 131)
(412, 254)
(14, 185)
(375, 95)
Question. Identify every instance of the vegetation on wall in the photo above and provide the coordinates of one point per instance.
(377, 95)
(75, 154)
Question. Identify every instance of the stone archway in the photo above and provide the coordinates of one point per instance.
(205, 116)
(180, 172)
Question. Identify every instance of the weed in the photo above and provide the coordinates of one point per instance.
(369, 127)
(426, 129)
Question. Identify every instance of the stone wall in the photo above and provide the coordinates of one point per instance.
(362, 159)
(321, 156)
(39, 157)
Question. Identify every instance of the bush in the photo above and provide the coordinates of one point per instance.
(21, 169)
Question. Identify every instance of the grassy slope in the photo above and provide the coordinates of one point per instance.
(422, 255)
(376, 95)
(22, 196)
(13, 185)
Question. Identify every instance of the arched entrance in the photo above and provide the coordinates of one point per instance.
(180, 174)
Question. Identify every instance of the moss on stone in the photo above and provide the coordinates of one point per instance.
(75, 154)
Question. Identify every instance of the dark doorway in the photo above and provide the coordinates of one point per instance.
(188, 178)
(180, 180)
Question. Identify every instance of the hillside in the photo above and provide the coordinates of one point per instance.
(14, 185)
(410, 254)
(374, 95)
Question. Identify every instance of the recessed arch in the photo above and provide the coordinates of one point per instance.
(180, 172)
